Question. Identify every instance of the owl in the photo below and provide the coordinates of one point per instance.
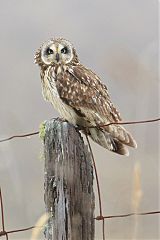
(79, 96)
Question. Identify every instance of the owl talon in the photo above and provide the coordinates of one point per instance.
(80, 96)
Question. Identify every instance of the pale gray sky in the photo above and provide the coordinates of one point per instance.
(119, 41)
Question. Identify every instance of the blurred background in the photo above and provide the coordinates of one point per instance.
(119, 41)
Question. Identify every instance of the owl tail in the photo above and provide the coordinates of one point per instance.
(113, 142)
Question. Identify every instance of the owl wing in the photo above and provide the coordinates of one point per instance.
(83, 90)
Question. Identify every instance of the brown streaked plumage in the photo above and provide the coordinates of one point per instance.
(79, 96)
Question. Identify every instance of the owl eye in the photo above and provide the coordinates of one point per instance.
(64, 50)
(49, 51)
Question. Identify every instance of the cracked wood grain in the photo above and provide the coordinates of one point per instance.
(69, 196)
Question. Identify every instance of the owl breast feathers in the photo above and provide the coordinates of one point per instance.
(79, 96)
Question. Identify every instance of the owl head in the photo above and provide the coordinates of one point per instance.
(56, 52)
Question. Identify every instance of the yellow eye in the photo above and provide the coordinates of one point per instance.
(49, 51)
(64, 50)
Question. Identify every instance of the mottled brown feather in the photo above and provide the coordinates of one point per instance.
(82, 99)
(82, 88)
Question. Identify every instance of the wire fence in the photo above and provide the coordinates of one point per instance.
(101, 217)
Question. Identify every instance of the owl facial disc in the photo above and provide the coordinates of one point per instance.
(58, 51)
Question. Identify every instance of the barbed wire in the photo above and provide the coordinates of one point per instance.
(98, 186)
(19, 136)
(4, 232)
(100, 217)
(105, 125)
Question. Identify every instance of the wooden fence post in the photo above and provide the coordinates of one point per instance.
(69, 196)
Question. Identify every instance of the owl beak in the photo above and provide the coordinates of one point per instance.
(57, 57)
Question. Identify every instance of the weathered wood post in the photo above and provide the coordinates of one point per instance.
(69, 196)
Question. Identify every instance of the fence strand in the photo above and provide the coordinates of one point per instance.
(111, 123)
(102, 218)
(5, 233)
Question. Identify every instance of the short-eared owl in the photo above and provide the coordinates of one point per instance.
(79, 95)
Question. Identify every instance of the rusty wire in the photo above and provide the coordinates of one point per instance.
(4, 232)
(100, 217)
(98, 186)
(111, 123)
(19, 136)
(130, 214)
(130, 122)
